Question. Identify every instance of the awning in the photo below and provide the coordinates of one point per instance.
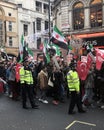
(88, 35)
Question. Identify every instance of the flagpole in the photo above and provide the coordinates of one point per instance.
(49, 21)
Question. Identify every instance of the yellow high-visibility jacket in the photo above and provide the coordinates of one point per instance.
(26, 76)
(73, 81)
(22, 75)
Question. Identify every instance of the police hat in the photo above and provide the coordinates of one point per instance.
(72, 64)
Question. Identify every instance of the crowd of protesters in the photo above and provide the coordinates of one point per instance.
(92, 89)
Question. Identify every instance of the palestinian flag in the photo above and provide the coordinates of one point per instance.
(59, 39)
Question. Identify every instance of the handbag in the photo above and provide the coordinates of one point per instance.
(50, 83)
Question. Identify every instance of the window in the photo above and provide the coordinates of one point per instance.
(46, 8)
(38, 23)
(33, 27)
(78, 16)
(96, 13)
(10, 41)
(9, 14)
(10, 26)
(38, 43)
(19, 5)
(46, 25)
(1, 32)
(25, 29)
(38, 6)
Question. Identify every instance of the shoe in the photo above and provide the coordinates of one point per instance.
(71, 112)
(25, 107)
(41, 100)
(102, 107)
(45, 101)
(84, 106)
(10, 95)
(55, 102)
(82, 111)
(35, 107)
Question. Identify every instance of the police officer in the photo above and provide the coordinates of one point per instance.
(26, 81)
(74, 89)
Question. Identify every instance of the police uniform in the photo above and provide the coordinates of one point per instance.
(74, 89)
(26, 81)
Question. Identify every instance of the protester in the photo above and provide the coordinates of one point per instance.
(88, 87)
(43, 84)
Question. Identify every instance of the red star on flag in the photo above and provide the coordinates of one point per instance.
(57, 36)
(65, 40)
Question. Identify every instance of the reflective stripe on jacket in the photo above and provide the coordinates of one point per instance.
(73, 81)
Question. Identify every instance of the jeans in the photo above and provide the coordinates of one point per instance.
(88, 94)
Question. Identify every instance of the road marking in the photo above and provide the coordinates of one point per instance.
(86, 123)
(81, 122)
(70, 125)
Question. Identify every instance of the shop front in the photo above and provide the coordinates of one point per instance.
(95, 39)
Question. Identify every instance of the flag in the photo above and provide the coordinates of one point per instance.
(70, 47)
(90, 48)
(30, 53)
(90, 59)
(17, 68)
(59, 39)
(99, 58)
(82, 70)
(55, 62)
(57, 49)
(24, 51)
(21, 46)
(4, 55)
(46, 52)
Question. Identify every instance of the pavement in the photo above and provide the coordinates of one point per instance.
(47, 117)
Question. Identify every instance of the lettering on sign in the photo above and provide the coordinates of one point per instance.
(94, 42)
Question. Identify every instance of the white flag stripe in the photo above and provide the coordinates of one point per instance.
(60, 38)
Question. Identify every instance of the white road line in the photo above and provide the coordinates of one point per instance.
(86, 123)
(81, 122)
(70, 125)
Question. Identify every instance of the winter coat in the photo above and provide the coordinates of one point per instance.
(42, 80)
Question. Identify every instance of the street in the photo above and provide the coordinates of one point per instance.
(48, 117)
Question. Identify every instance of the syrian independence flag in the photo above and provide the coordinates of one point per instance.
(56, 48)
(46, 54)
(21, 46)
(59, 39)
(24, 51)
(30, 53)
(99, 58)
(82, 70)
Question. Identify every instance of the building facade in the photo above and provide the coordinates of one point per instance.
(22, 17)
(82, 18)
(8, 27)
(33, 18)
